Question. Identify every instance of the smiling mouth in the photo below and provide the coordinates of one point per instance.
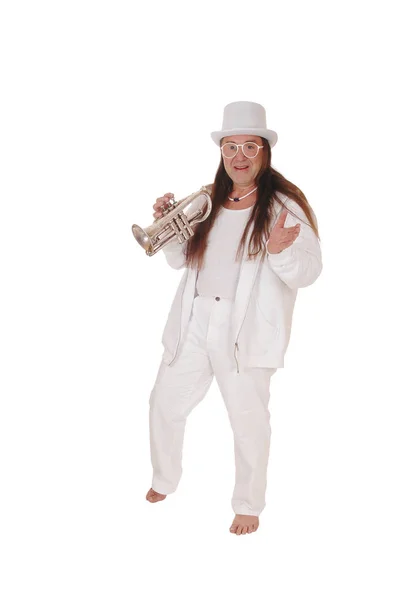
(241, 168)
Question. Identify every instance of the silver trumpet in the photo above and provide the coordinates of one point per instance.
(176, 221)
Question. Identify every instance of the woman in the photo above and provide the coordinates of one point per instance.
(232, 313)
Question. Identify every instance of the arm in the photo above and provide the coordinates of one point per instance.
(174, 253)
(300, 264)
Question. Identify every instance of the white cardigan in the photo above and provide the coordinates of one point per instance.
(266, 293)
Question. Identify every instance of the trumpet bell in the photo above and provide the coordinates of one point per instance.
(142, 237)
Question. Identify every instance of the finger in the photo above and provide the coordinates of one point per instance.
(290, 232)
(160, 203)
(289, 241)
(285, 234)
(165, 198)
(282, 218)
(289, 238)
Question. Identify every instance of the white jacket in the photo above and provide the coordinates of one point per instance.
(266, 293)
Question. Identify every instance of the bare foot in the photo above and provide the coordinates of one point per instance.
(244, 524)
(153, 496)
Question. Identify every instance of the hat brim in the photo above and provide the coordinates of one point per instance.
(268, 134)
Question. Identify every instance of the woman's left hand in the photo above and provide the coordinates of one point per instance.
(282, 237)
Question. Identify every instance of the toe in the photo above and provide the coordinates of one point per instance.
(154, 496)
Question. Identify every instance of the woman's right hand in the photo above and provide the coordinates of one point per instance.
(160, 202)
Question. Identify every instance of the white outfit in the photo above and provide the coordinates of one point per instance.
(240, 338)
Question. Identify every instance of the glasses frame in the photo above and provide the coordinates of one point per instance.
(240, 146)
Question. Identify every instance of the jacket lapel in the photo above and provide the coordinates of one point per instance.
(247, 276)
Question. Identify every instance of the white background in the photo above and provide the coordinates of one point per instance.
(105, 107)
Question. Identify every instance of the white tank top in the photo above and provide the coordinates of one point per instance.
(220, 272)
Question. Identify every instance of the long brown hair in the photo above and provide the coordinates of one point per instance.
(269, 181)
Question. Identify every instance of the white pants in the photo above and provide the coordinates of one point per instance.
(206, 351)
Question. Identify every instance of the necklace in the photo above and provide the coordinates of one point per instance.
(241, 198)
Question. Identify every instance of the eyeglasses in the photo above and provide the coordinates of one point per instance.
(249, 149)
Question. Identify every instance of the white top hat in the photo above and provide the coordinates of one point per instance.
(245, 118)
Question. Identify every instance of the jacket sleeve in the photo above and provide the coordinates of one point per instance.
(300, 264)
(174, 253)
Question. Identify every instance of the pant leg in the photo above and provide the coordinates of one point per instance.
(246, 396)
(178, 389)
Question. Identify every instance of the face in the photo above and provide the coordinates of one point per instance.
(243, 170)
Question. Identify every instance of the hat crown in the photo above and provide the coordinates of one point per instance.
(244, 115)
(245, 118)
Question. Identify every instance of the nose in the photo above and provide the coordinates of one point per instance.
(240, 154)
